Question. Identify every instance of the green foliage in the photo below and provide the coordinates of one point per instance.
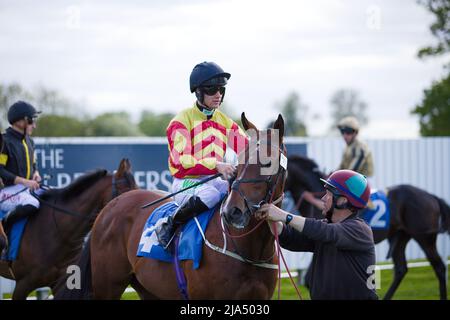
(154, 125)
(346, 102)
(59, 126)
(440, 27)
(112, 124)
(434, 111)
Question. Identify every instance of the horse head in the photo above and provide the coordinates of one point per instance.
(260, 174)
(89, 193)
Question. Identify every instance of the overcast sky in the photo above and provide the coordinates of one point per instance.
(135, 55)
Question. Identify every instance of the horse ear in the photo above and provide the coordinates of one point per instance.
(122, 167)
(247, 124)
(127, 165)
(279, 125)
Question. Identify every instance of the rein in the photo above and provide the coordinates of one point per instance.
(278, 200)
(252, 208)
(267, 199)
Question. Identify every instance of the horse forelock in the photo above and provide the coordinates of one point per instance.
(78, 186)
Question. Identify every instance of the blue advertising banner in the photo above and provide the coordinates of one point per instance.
(64, 159)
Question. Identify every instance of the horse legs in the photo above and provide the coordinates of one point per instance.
(428, 245)
(398, 243)
(109, 283)
(140, 290)
(110, 277)
(22, 289)
(3, 239)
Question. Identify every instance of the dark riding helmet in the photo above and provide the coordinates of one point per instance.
(207, 74)
(351, 185)
(21, 110)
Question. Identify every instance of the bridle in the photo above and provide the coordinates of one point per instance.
(271, 182)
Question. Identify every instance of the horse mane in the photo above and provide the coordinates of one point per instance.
(76, 187)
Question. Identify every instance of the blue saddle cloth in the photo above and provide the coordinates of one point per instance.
(14, 238)
(378, 213)
(190, 243)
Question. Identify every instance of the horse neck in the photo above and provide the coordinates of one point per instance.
(88, 204)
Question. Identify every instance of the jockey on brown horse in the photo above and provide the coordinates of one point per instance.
(198, 138)
(18, 168)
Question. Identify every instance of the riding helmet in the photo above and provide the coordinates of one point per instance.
(207, 74)
(351, 185)
(21, 110)
(349, 122)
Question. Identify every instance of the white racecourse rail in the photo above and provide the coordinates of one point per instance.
(422, 162)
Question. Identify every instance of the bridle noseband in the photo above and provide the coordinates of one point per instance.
(268, 198)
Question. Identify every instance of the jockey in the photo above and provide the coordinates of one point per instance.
(197, 140)
(357, 156)
(18, 168)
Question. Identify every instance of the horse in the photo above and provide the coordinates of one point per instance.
(54, 236)
(415, 214)
(109, 264)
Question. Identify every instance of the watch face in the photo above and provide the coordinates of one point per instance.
(288, 218)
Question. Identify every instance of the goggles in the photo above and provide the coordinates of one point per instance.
(212, 90)
(346, 130)
(31, 120)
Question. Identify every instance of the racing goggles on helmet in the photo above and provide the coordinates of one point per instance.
(346, 130)
(31, 120)
(212, 90)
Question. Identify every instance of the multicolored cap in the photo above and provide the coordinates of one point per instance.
(352, 185)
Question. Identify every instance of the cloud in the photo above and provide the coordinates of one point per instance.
(139, 54)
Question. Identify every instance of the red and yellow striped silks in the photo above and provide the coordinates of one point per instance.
(196, 144)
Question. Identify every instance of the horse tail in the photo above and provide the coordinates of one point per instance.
(445, 212)
(83, 289)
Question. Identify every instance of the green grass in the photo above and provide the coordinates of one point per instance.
(419, 284)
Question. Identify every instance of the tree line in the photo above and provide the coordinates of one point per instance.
(62, 117)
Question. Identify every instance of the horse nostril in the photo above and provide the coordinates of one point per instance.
(233, 213)
(236, 212)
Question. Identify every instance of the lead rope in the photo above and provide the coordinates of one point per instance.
(279, 253)
(277, 241)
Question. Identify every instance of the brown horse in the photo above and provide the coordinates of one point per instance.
(53, 237)
(110, 263)
(415, 214)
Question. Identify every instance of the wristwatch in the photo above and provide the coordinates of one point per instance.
(289, 218)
